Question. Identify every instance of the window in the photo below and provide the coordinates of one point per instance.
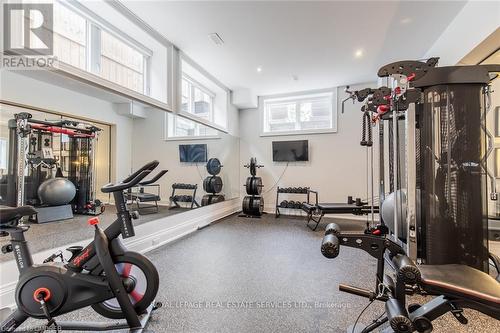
(83, 43)
(306, 113)
(182, 128)
(70, 37)
(121, 63)
(197, 99)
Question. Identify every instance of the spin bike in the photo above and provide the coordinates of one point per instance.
(115, 282)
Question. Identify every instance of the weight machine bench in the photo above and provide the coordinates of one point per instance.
(140, 196)
(315, 211)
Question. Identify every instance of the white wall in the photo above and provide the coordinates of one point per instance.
(476, 21)
(337, 163)
(22, 89)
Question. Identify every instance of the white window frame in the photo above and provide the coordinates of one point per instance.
(298, 97)
(195, 84)
(168, 137)
(94, 25)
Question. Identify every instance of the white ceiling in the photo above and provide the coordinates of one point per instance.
(314, 41)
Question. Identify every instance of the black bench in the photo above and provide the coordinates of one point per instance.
(315, 211)
(140, 196)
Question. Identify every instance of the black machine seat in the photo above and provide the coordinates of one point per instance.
(339, 208)
(461, 281)
(9, 215)
(145, 197)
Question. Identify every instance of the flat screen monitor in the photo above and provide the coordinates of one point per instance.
(193, 153)
(291, 151)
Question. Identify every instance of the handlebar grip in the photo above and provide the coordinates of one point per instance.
(330, 246)
(398, 316)
(149, 166)
(108, 188)
(154, 179)
(407, 271)
(332, 228)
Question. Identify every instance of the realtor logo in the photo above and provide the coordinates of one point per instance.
(28, 29)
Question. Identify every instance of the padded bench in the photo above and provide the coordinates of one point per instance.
(315, 211)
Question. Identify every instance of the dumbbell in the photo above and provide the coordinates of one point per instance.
(291, 204)
(298, 204)
(284, 204)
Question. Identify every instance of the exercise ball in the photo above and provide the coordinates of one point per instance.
(388, 208)
(56, 191)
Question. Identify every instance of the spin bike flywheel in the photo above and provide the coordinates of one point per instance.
(141, 282)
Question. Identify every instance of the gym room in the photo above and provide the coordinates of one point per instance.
(250, 166)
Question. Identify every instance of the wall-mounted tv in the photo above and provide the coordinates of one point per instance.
(193, 153)
(291, 151)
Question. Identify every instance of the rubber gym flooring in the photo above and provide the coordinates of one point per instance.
(266, 275)
(58, 233)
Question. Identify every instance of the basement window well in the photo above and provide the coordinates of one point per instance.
(299, 113)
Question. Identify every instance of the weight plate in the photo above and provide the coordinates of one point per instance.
(253, 166)
(214, 166)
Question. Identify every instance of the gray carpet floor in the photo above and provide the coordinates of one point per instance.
(266, 275)
(58, 233)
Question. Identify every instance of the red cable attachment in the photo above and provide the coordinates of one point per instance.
(387, 97)
(381, 109)
(376, 232)
(411, 76)
(397, 90)
(93, 221)
(46, 294)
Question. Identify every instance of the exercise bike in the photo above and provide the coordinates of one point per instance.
(115, 282)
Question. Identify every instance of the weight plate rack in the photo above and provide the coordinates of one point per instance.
(253, 203)
(213, 183)
(289, 204)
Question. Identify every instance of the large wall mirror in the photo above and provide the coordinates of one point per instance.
(68, 159)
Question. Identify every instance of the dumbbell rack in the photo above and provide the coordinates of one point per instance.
(175, 199)
(288, 190)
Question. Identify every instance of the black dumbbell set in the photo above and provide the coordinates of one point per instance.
(253, 203)
(213, 183)
(302, 190)
(176, 198)
(289, 204)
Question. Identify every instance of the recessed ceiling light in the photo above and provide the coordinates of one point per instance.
(216, 38)
(259, 69)
(406, 20)
(358, 53)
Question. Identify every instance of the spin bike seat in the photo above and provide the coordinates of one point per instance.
(463, 282)
(10, 215)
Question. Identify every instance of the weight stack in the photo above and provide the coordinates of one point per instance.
(452, 210)
(212, 184)
(253, 203)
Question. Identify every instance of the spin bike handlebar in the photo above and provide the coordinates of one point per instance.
(131, 180)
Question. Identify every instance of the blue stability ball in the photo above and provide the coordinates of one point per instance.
(56, 191)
